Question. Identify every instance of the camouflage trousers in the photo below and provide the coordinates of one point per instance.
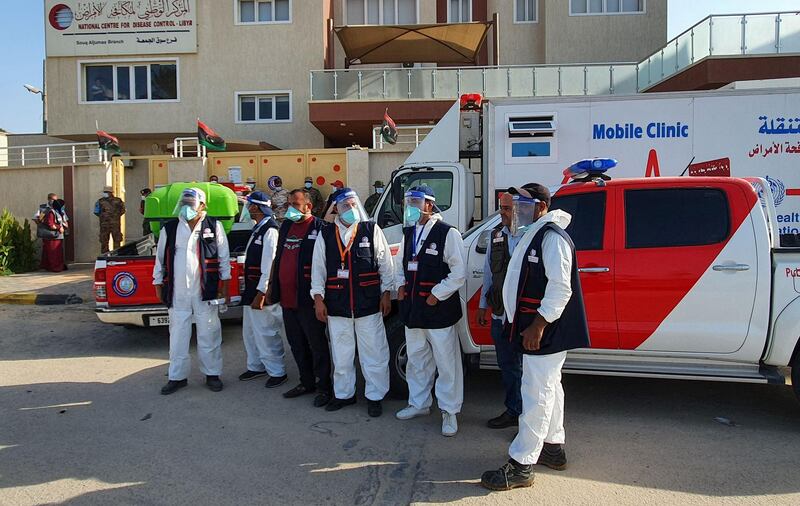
(113, 230)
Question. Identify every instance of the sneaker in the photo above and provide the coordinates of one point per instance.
(410, 412)
(214, 383)
(336, 404)
(298, 391)
(249, 375)
(374, 408)
(449, 424)
(503, 421)
(322, 399)
(173, 386)
(511, 475)
(553, 456)
(276, 381)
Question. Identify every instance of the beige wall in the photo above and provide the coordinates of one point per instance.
(520, 43)
(230, 58)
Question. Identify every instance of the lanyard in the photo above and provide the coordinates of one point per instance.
(344, 251)
(416, 244)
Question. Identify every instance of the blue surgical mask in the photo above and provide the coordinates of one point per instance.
(350, 216)
(188, 212)
(308, 185)
(379, 190)
(293, 214)
(412, 214)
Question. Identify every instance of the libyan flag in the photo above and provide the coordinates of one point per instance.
(107, 142)
(388, 129)
(209, 138)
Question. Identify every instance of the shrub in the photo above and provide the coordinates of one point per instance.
(17, 245)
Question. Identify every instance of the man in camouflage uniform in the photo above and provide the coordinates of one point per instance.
(372, 200)
(109, 209)
(280, 197)
(317, 202)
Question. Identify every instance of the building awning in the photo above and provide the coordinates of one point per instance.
(450, 43)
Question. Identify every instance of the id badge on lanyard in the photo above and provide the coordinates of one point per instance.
(413, 264)
(343, 273)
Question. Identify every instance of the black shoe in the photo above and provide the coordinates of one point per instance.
(173, 386)
(337, 404)
(249, 375)
(276, 381)
(511, 475)
(503, 421)
(553, 456)
(298, 391)
(322, 399)
(214, 383)
(374, 408)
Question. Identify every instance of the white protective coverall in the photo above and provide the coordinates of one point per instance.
(367, 332)
(432, 349)
(262, 329)
(187, 301)
(542, 419)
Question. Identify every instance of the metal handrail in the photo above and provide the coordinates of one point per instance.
(179, 145)
(417, 135)
(52, 154)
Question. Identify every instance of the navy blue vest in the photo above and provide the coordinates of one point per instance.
(252, 261)
(304, 272)
(431, 269)
(570, 331)
(360, 294)
(209, 260)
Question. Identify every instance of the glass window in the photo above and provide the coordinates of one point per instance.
(247, 108)
(391, 212)
(163, 82)
(632, 5)
(460, 11)
(282, 107)
(588, 211)
(612, 5)
(265, 108)
(578, 6)
(247, 11)
(99, 83)
(388, 12)
(140, 82)
(373, 12)
(675, 217)
(525, 11)
(526, 149)
(407, 12)
(605, 6)
(282, 10)
(265, 11)
(595, 6)
(123, 83)
(355, 12)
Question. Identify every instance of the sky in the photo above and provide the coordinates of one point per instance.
(22, 40)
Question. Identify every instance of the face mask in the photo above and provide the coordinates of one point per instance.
(379, 190)
(412, 214)
(106, 194)
(188, 212)
(143, 198)
(350, 216)
(293, 214)
(308, 185)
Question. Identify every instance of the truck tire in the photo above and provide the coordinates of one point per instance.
(796, 375)
(398, 357)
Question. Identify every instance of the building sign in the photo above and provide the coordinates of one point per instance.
(120, 27)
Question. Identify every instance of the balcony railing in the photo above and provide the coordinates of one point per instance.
(408, 137)
(51, 154)
(725, 35)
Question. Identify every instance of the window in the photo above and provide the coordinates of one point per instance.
(531, 139)
(606, 6)
(263, 107)
(675, 217)
(126, 82)
(264, 11)
(391, 212)
(381, 12)
(588, 212)
(527, 149)
(526, 11)
(459, 11)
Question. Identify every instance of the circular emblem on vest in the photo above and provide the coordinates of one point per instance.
(433, 245)
(124, 284)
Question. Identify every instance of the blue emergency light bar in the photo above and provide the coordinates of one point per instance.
(590, 166)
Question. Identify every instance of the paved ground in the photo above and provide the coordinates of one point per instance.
(81, 422)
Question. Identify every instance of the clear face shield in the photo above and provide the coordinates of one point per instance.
(349, 209)
(414, 207)
(188, 207)
(523, 212)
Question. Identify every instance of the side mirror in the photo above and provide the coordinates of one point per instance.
(482, 244)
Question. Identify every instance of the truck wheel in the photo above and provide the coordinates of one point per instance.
(796, 375)
(398, 357)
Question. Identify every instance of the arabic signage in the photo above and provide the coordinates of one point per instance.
(120, 27)
(720, 167)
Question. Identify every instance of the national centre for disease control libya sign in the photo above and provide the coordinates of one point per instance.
(120, 27)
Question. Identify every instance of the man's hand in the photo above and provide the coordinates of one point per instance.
(401, 293)
(258, 301)
(320, 309)
(431, 300)
(532, 336)
(159, 289)
(268, 296)
(386, 304)
(482, 320)
(225, 294)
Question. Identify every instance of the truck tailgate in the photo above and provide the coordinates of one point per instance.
(129, 281)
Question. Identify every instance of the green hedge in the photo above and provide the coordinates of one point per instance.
(17, 246)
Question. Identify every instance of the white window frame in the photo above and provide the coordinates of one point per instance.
(237, 20)
(535, 13)
(237, 110)
(460, 10)
(127, 62)
(552, 138)
(380, 13)
(605, 10)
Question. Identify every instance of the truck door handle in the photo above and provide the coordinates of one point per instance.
(591, 270)
(111, 264)
(731, 267)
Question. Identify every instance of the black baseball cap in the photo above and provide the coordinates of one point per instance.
(538, 191)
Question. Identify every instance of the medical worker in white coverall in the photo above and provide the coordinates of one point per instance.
(352, 276)
(261, 324)
(429, 270)
(545, 318)
(191, 259)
